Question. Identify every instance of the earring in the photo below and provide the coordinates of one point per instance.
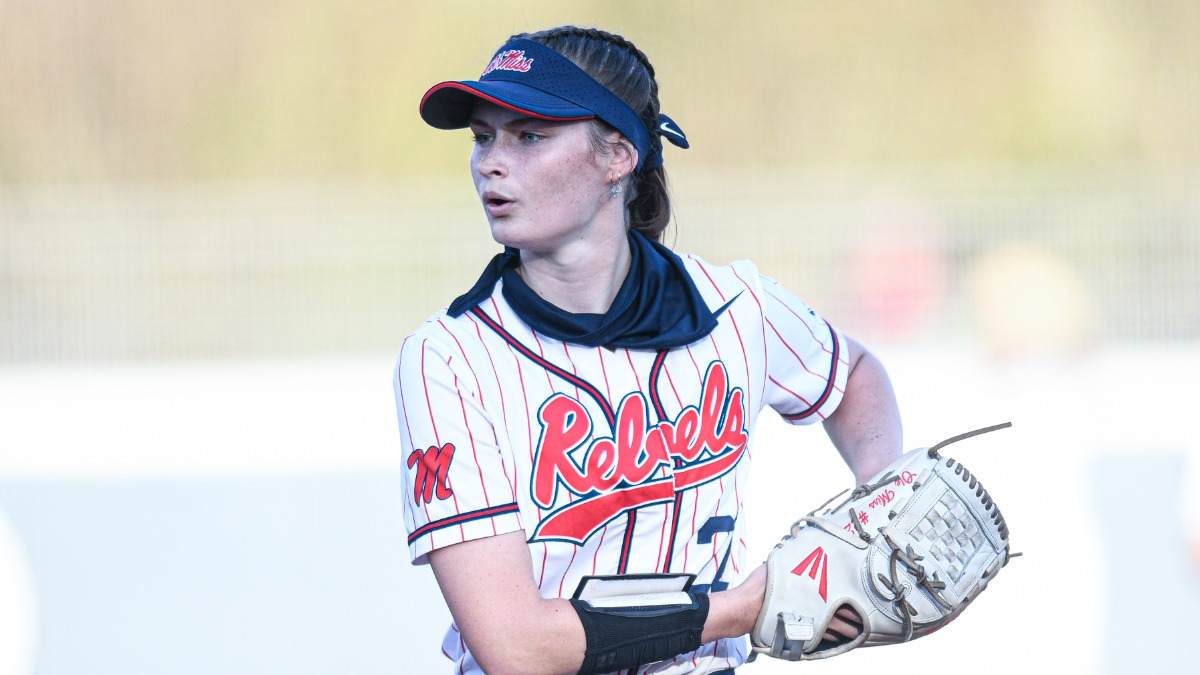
(614, 187)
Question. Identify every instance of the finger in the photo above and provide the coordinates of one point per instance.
(844, 625)
(847, 613)
(839, 630)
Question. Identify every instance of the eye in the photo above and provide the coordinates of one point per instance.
(480, 138)
(531, 137)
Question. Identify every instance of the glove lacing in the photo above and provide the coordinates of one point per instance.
(932, 585)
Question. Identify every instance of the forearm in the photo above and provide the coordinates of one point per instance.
(549, 639)
(732, 613)
(507, 624)
(865, 428)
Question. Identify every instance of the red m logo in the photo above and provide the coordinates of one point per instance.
(433, 473)
(816, 561)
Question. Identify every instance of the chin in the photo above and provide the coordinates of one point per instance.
(526, 234)
(507, 233)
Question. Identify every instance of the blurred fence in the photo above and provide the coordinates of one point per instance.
(1055, 259)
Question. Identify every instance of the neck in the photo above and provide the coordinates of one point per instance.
(582, 279)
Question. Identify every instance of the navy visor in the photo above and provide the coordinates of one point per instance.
(537, 81)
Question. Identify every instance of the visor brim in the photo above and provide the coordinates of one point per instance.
(449, 105)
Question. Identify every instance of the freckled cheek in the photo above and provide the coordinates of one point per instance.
(473, 166)
(574, 184)
(564, 195)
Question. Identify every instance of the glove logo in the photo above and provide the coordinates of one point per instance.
(816, 561)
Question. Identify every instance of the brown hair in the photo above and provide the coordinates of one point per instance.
(617, 64)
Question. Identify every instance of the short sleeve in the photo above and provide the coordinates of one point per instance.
(458, 482)
(807, 364)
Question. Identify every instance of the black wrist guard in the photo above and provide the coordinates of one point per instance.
(631, 636)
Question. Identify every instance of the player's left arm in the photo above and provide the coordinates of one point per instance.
(865, 428)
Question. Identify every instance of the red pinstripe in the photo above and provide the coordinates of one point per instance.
(662, 538)
(545, 557)
(633, 369)
(687, 542)
(462, 402)
(827, 350)
(599, 547)
(563, 580)
(608, 396)
(437, 438)
(542, 352)
(478, 387)
(806, 402)
(408, 430)
(525, 396)
(732, 319)
(660, 562)
(528, 425)
(763, 315)
(793, 351)
(607, 387)
(491, 362)
(574, 369)
(671, 381)
(499, 388)
(695, 364)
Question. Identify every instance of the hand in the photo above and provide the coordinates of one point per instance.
(845, 625)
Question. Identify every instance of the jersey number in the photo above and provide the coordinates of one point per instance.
(712, 527)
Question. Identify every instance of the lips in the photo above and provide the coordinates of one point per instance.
(497, 204)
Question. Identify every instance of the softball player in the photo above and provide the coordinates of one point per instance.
(578, 427)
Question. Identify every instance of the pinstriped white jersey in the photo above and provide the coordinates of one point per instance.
(611, 461)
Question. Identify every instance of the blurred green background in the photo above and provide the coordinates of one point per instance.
(183, 179)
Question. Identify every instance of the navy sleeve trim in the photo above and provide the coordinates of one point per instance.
(481, 514)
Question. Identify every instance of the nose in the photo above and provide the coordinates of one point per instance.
(491, 159)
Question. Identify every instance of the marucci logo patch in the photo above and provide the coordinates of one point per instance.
(816, 562)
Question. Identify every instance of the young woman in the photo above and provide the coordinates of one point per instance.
(588, 408)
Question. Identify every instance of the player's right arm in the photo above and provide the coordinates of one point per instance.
(455, 467)
(510, 628)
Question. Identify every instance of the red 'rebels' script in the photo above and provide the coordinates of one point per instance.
(613, 474)
(510, 60)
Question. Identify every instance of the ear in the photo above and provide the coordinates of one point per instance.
(624, 156)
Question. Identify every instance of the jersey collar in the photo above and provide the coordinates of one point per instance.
(657, 307)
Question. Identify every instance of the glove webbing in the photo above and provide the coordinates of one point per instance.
(900, 592)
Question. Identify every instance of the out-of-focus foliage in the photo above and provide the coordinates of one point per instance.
(97, 90)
